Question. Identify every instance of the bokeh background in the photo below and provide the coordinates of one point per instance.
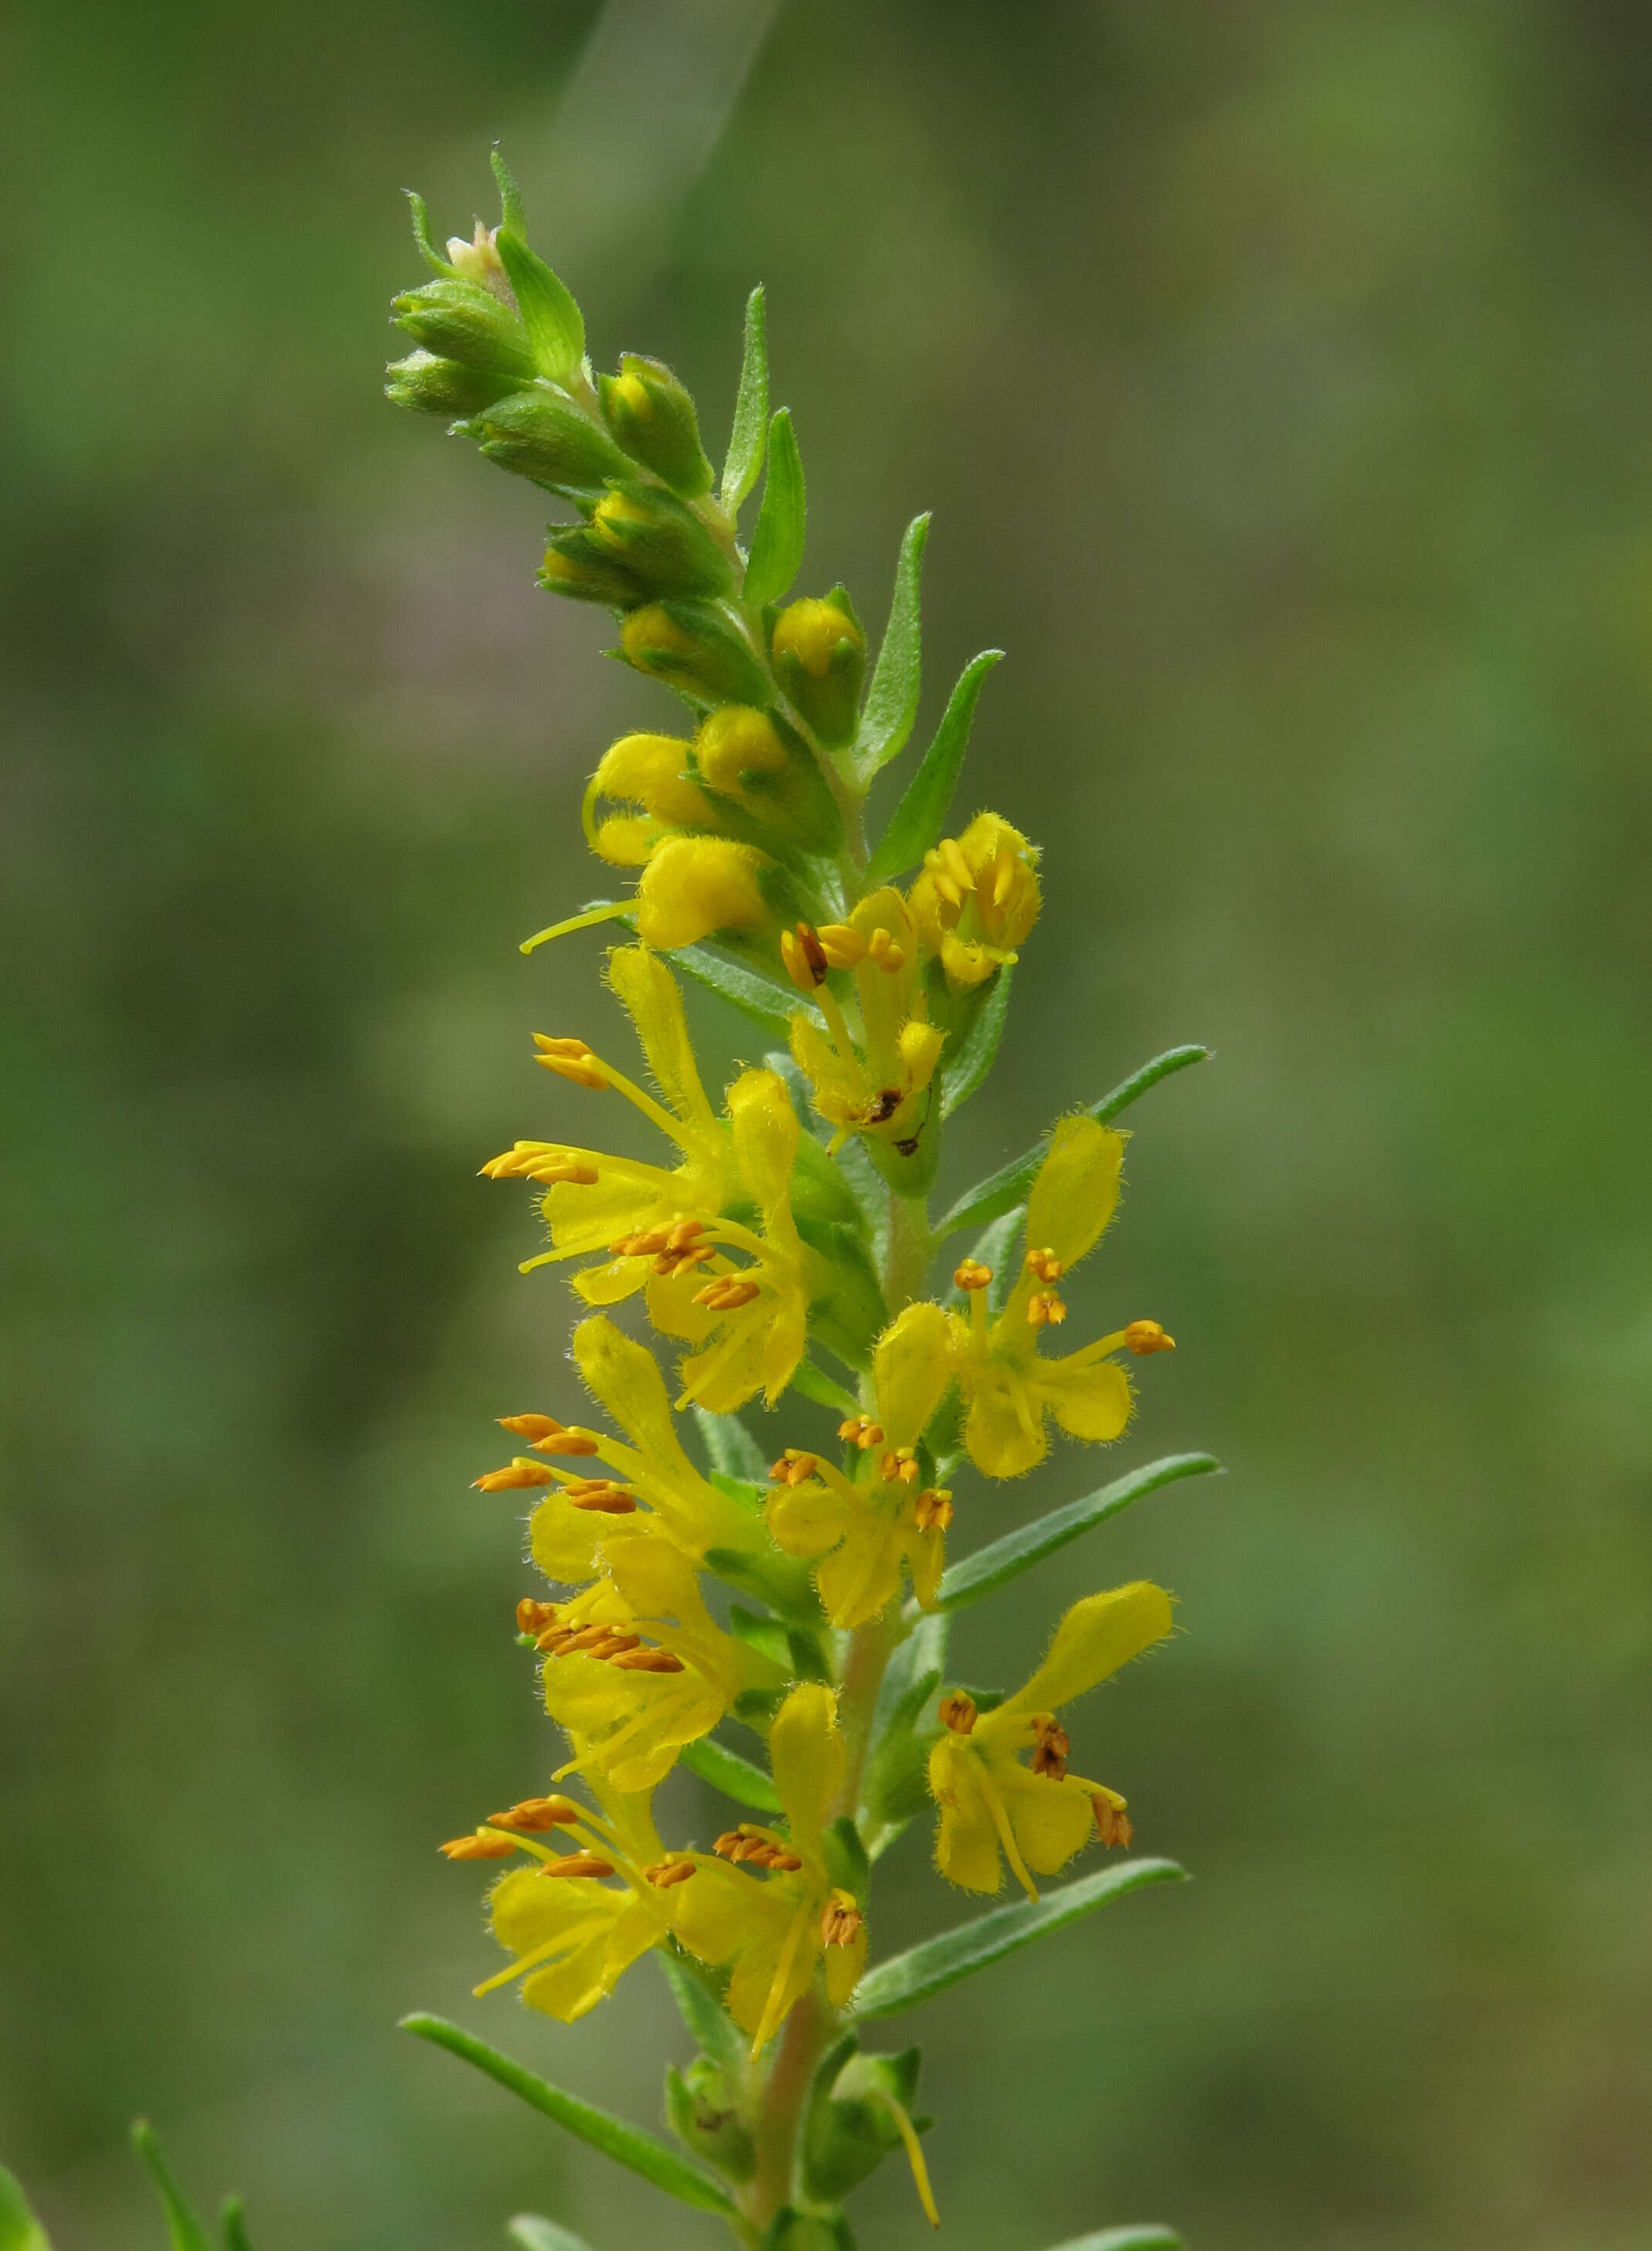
(1280, 375)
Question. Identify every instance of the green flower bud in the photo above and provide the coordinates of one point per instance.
(578, 565)
(662, 542)
(653, 419)
(693, 646)
(462, 320)
(431, 385)
(820, 658)
(705, 2121)
(539, 433)
(773, 777)
(852, 2125)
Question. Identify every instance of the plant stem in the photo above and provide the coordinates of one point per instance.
(912, 1248)
(780, 2115)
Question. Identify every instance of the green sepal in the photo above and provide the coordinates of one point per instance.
(717, 666)
(919, 820)
(791, 2230)
(429, 384)
(578, 565)
(730, 1448)
(766, 1635)
(815, 1384)
(626, 2144)
(512, 211)
(461, 320)
(743, 462)
(828, 702)
(699, 1993)
(820, 1195)
(425, 245)
(1149, 2238)
(911, 1979)
(988, 1569)
(530, 2231)
(184, 2226)
(661, 541)
(777, 539)
(846, 1857)
(756, 1708)
(1004, 1190)
(539, 434)
(748, 1491)
(734, 1777)
(19, 2229)
(665, 438)
(705, 2120)
(780, 1581)
(972, 1040)
(897, 677)
(849, 2131)
(555, 325)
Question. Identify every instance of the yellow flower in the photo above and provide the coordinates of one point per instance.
(696, 886)
(862, 1531)
(977, 899)
(1040, 1814)
(649, 774)
(1009, 1387)
(774, 1932)
(635, 1666)
(874, 1084)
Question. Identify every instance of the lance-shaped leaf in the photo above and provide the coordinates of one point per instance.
(771, 1005)
(427, 250)
(19, 2229)
(185, 2229)
(897, 677)
(963, 1073)
(627, 2144)
(730, 1447)
(743, 462)
(920, 815)
(777, 544)
(532, 2234)
(556, 328)
(1151, 2238)
(988, 1569)
(925, 1970)
(1003, 1190)
(698, 1997)
(734, 1777)
(822, 1389)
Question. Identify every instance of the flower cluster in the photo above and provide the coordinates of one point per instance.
(778, 1245)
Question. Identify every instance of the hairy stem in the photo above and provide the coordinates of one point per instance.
(780, 2116)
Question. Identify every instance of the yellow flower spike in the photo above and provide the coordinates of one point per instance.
(1010, 1388)
(1036, 1816)
(977, 899)
(694, 886)
(647, 775)
(859, 1536)
(775, 1932)
(874, 1083)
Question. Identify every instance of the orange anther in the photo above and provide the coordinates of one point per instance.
(957, 1712)
(665, 1873)
(578, 1864)
(477, 1848)
(537, 1814)
(648, 1661)
(1143, 1337)
(972, 1275)
(898, 1466)
(1111, 1824)
(1044, 1305)
(934, 1511)
(517, 1474)
(839, 1922)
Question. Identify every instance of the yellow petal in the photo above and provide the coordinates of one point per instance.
(806, 1757)
(628, 840)
(765, 1138)
(611, 1285)
(563, 1539)
(1090, 1399)
(806, 1520)
(1052, 1819)
(694, 885)
(625, 1378)
(844, 1967)
(1004, 1433)
(1075, 1192)
(966, 1840)
(649, 994)
(912, 1370)
(1095, 1637)
(652, 771)
(625, 1198)
(736, 1365)
(863, 1577)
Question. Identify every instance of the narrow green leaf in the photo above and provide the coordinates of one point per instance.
(510, 195)
(1127, 2239)
(626, 2144)
(813, 1384)
(771, 1006)
(19, 2229)
(555, 325)
(744, 458)
(920, 818)
(700, 2005)
(1003, 1190)
(533, 2233)
(730, 1447)
(777, 544)
(186, 2231)
(233, 2226)
(897, 678)
(420, 216)
(925, 1970)
(734, 1777)
(963, 1073)
(988, 1569)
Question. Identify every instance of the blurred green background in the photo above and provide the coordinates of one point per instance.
(1280, 376)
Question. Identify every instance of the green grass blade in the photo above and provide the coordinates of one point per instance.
(988, 1569)
(627, 2144)
(734, 1777)
(897, 678)
(1003, 1190)
(962, 1074)
(533, 2233)
(925, 1970)
(743, 462)
(1127, 2239)
(918, 820)
(187, 2232)
(777, 544)
(19, 2229)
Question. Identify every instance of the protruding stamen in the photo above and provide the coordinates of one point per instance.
(957, 1712)
(648, 1661)
(560, 1170)
(748, 1843)
(843, 947)
(840, 1920)
(883, 950)
(513, 1476)
(1112, 1825)
(728, 1292)
(860, 1431)
(534, 1617)
(666, 1874)
(970, 1274)
(602, 1495)
(1046, 1265)
(805, 958)
(1050, 1746)
(899, 1466)
(1043, 1306)
(794, 1467)
(536, 1814)
(934, 1509)
(548, 1435)
(1143, 1337)
(571, 1059)
(477, 1847)
(578, 1864)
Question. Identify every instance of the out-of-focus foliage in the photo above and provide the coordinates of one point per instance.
(1283, 371)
